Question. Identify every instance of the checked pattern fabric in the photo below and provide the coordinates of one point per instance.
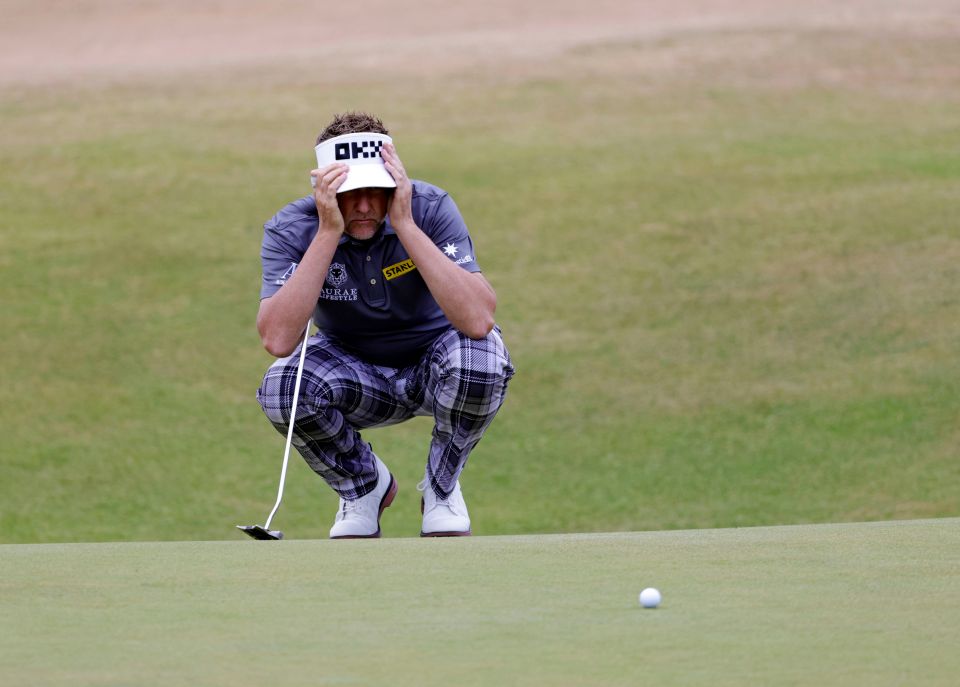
(460, 382)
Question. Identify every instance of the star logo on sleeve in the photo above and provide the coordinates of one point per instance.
(450, 250)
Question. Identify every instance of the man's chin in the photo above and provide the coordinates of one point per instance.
(362, 230)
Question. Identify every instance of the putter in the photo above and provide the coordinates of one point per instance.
(263, 532)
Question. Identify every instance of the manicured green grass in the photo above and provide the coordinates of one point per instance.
(730, 289)
(862, 604)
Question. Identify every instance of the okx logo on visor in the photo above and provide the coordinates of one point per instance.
(362, 153)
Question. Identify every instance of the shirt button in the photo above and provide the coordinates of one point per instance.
(373, 281)
(369, 258)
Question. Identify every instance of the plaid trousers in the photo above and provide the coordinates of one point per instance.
(459, 381)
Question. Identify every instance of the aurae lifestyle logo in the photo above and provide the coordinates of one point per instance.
(337, 274)
(357, 150)
(336, 278)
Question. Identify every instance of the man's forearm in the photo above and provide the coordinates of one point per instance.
(283, 316)
(466, 298)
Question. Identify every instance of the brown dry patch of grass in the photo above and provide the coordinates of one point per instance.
(61, 42)
(920, 64)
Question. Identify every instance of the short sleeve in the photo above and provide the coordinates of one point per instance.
(279, 260)
(445, 226)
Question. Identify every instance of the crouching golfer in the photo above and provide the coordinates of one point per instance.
(385, 267)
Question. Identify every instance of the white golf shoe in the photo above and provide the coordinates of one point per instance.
(360, 518)
(443, 517)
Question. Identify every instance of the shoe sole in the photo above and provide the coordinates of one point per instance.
(384, 504)
(452, 533)
(446, 534)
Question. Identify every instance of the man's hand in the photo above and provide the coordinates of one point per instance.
(466, 299)
(401, 210)
(325, 182)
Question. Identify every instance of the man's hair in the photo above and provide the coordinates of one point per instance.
(352, 123)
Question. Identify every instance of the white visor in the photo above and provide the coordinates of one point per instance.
(362, 152)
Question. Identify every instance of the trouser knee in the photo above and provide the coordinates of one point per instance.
(275, 394)
(327, 384)
(475, 371)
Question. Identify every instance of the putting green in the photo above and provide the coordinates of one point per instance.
(873, 604)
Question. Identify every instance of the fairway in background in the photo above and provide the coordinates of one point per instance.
(727, 267)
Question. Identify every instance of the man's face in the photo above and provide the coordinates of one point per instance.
(363, 210)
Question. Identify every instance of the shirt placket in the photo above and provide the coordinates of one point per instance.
(374, 288)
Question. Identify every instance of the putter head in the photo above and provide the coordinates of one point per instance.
(260, 532)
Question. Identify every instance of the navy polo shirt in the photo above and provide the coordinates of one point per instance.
(374, 300)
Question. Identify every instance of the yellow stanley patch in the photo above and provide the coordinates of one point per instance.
(399, 269)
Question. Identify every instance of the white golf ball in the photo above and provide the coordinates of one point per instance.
(650, 598)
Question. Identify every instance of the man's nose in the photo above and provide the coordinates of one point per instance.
(363, 202)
